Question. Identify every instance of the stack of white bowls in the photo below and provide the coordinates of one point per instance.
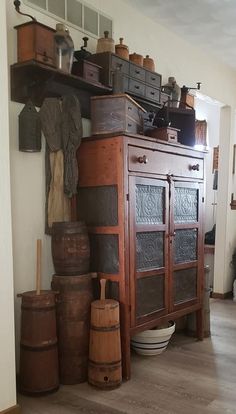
(153, 341)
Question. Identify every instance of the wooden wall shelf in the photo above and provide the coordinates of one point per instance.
(38, 81)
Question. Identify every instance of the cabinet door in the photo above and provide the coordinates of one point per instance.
(186, 256)
(148, 248)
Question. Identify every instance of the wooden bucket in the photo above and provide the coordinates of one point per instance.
(73, 317)
(104, 350)
(70, 248)
(38, 346)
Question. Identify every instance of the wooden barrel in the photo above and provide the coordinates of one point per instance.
(38, 346)
(70, 248)
(105, 349)
(73, 319)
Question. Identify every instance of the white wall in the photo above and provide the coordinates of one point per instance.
(7, 353)
(225, 218)
(173, 56)
(209, 111)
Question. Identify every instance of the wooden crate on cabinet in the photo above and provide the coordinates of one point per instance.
(143, 203)
(116, 113)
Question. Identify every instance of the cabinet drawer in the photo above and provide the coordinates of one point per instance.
(116, 62)
(90, 71)
(133, 112)
(133, 127)
(137, 72)
(156, 162)
(136, 87)
(153, 78)
(45, 59)
(152, 93)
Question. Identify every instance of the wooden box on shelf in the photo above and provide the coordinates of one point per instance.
(116, 114)
(168, 134)
(143, 84)
(35, 41)
(182, 119)
(87, 70)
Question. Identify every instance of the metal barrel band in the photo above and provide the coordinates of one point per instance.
(40, 348)
(105, 364)
(108, 384)
(43, 309)
(105, 329)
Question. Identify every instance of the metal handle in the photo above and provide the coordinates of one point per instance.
(152, 78)
(152, 93)
(137, 71)
(136, 86)
(195, 167)
(143, 159)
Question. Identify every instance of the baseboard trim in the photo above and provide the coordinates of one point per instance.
(227, 295)
(12, 410)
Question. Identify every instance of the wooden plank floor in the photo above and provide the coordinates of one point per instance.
(190, 377)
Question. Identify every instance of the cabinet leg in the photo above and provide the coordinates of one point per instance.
(125, 344)
(200, 324)
(126, 362)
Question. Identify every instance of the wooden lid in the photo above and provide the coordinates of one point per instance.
(32, 294)
(35, 24)
(46, 298)
(119, 95)
(105, 304)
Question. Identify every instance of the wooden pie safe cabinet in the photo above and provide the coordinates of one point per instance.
(143, 203)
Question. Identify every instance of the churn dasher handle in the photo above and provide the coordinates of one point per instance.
(38, 268)
(103, 289)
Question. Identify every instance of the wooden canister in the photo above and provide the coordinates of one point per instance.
(73, 303)
(138, 59)
(38, 345)
(105, 44)
(70, 248)
(148, 63)
(122, 50)
(104, 369)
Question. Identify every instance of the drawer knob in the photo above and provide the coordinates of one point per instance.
(195, 167)
(143, 159)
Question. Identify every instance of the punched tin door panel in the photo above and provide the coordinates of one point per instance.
(148, 248)
(185, 244)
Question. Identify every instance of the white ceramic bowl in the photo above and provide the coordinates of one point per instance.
(153, 341)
